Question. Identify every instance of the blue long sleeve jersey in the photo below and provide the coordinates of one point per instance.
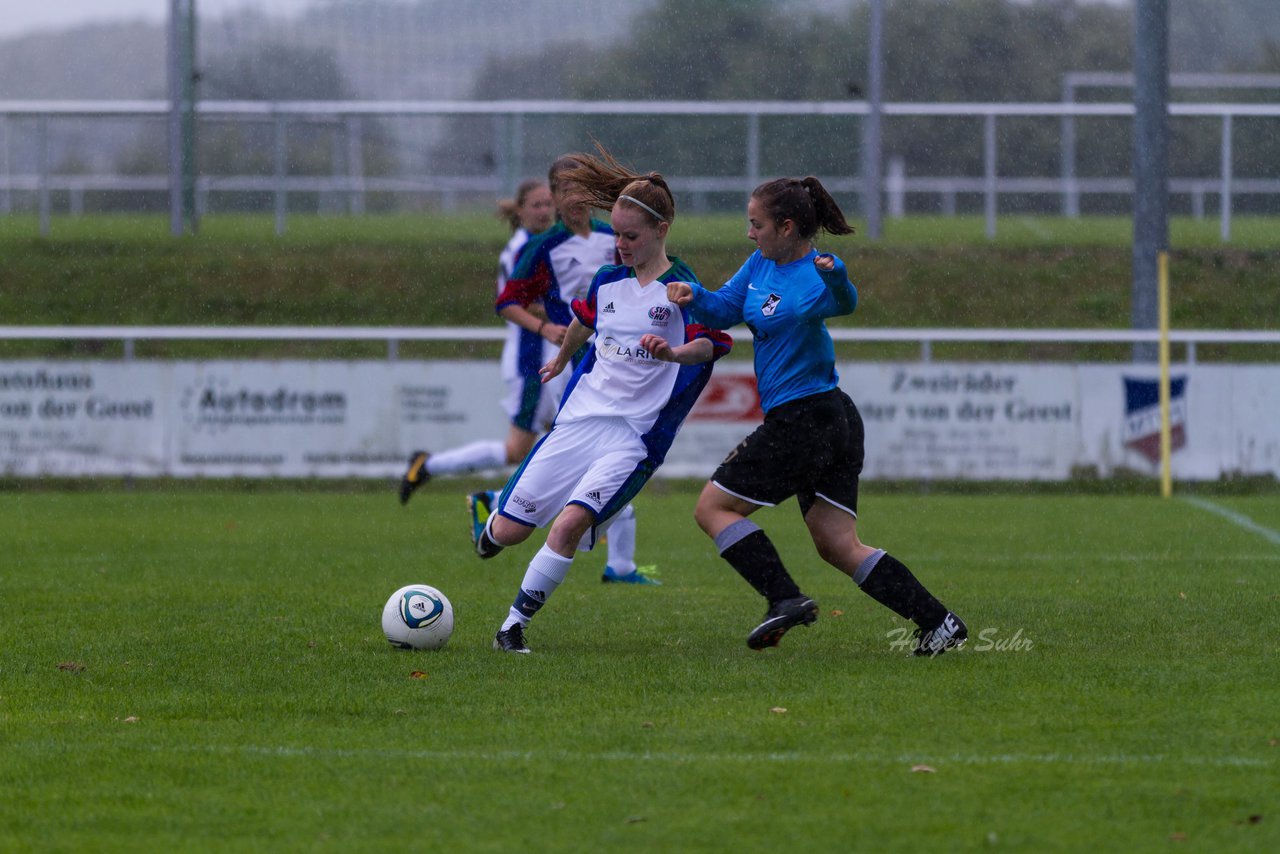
(784, 307)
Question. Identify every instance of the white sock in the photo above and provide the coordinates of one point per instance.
(488, 454)
(622, 541)
(546, 572)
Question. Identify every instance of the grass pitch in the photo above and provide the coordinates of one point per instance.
(194, 670)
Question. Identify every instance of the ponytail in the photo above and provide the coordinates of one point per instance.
(803, 201)
(828, 214)
(601, 181)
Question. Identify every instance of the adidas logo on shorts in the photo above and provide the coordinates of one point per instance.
(594, 495)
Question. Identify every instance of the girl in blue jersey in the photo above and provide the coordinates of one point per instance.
(626, 398)
(811, 442)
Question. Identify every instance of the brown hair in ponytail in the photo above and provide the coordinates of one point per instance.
(805, 202)
(509, 209)
(601, 180)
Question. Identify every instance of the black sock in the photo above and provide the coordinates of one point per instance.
(756, 560)
(891, 584)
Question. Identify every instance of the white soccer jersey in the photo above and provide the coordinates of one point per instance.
(576, 261)
(511, 349)
(623, 379)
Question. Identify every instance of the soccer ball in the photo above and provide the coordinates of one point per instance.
(417, 617)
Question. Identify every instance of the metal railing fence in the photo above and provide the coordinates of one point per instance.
(392, 336)
(353, 185)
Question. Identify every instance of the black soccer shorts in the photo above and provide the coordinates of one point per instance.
(809, 448)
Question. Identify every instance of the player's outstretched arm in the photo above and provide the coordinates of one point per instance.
(680, 293)
(574, 337)
(694, 352)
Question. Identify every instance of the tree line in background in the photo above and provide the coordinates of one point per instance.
(935, 50)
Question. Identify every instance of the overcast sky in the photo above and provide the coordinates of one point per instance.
(25, 16)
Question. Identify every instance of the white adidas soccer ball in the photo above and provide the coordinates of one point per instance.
(417, 617)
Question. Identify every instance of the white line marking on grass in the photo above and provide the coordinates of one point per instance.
(1236, 518)
(693, 758)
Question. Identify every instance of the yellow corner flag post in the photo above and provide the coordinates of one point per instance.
(1166, 431)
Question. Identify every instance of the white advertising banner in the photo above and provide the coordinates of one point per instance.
(980, 421)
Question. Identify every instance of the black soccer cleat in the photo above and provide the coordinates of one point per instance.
(511, 640)
(951, 633)
(414, 476)
(780, 617)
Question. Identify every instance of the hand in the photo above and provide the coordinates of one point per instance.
(658, 347)
(551, 369)
(824, 262)
(680, 293)
(553, 332)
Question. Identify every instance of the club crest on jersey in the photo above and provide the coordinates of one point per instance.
(770, 305)
(660, 314)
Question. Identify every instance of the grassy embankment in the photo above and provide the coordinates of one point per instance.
(436, 270)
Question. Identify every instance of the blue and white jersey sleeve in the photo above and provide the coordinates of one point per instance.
(722, 308)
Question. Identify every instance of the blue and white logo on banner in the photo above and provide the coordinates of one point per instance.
(1142, 415)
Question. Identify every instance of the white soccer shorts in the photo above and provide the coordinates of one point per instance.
(582, 462)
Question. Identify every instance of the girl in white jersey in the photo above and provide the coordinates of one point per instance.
(811, 442)
(530, 213)
(542, 267)
(625, 401)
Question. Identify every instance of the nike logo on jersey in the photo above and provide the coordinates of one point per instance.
(750, 286)
(770, 305)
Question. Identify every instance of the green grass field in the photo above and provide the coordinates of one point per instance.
(203, 670)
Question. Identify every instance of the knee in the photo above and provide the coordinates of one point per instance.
(831, 551)
(508, 533)
(568, 529)
(704, 513)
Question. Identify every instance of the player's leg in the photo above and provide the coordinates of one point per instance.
(533, 495)
(831, 515)
(545, 573)
(597, 492)
(763, 470)
(519, 443)
(748, 549)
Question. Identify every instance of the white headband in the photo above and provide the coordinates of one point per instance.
(636, 201)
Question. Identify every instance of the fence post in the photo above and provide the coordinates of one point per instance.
(753, 151)
(1070, 193)
(6, 200)
(517, 151)
(281, 166)
(355, 165)
(42, 141)
(895, 186)
(989, 172)
(1225, 222)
